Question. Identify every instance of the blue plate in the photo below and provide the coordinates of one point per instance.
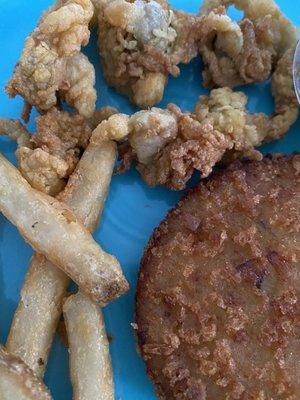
(132, 210)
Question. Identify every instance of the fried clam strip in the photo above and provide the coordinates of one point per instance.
(286, 104)
(90, 364)
(169, 145)
(53, 230)
(142, 42)
(48, 158)
(236, 54)
(51, 62)
(17, 381)
(36, 318)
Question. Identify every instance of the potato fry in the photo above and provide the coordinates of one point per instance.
(52, 230)
(90, 364)
(36, 318)
(17, 381)
(88, 186)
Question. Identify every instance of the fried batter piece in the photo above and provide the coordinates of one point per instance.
(218, 295)
(51, 64)
(236, 54)
(169, 144)
(47, 158)
(141, 42)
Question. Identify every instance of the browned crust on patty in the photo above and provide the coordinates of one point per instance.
(217, 305)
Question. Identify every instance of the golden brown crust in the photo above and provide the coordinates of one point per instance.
(217, 307)
(51, 64)
(244, 52)
(169, 144)
(141, 43)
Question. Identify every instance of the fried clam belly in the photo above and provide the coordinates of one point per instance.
(170, 145)
(217, 304)
(244, 52)
(141, 43)
(49, 157)
(45, 67)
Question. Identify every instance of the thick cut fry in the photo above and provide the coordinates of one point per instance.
(39, 310)
(90, 365)
(17, 382)
(52, 230)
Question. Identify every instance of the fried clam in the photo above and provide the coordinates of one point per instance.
(51, 64)
(244, 52)
(217, 305)
(47, 158)
(170, 145)
(17, 381)
(141, 42)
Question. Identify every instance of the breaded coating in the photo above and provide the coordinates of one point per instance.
(79, 87)
(236, 54)
(45, 172)
(286, 104)
(49, 157)
(217, 304)
(51, 60)
(62, 134)
(100, 115)
(141, 42)
(16, 131)
(170, 145)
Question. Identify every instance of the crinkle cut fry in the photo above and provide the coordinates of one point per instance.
(44, 67)
(85, 194)
(266, 35)
(17, 381)
(141, 43)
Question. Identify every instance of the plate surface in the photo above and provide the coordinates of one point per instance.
(132, 210)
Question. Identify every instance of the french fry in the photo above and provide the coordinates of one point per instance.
(36, 318)
(17, 381)
(90, 364)
(53, 230)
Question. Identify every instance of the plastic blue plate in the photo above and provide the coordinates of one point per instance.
(132, 210)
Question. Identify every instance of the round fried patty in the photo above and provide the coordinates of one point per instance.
(217, 307)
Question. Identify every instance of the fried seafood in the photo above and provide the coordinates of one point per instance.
(141, 42)
(244, 52)
(217, 304)
(47, 158)
(169, 144)
(16, 131)
(51, 65)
